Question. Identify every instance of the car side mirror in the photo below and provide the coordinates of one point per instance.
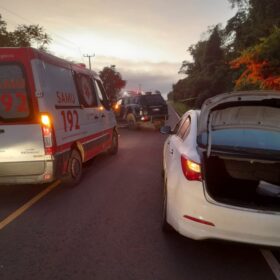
(166, 130)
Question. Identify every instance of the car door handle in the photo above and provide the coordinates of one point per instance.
(96, 117)
(2, 130)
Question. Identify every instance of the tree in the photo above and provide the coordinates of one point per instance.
(112, 81)
(254, 19)
(23, 36)
(243, 55)
(208, 74)
(260, 64)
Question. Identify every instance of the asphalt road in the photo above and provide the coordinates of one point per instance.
(108, 227)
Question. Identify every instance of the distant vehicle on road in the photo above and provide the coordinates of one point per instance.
(221, 170)
(142, 110)
(54, 115)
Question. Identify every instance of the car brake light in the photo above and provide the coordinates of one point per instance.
(47, 134)
(191, 169)
(144, 118)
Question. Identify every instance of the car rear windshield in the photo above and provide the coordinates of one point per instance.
(243, 139)
(13, 93)
(153, 100)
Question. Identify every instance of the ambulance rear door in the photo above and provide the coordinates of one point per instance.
(22, 148)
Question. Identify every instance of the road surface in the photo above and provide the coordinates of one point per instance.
(108, 227)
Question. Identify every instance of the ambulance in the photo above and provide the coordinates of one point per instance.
(54, 116)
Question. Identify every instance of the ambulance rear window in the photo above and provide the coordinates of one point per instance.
(13, 93)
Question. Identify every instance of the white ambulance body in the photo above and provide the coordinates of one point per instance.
(54, 115)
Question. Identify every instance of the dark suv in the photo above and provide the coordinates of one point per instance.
(142, 110)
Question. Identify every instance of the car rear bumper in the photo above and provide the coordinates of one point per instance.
(229, 223)
(35, 172)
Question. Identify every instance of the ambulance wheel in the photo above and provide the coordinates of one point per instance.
(131, 121)
(74, 168)
(115, 144)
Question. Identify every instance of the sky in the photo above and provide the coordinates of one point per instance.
(147, 40)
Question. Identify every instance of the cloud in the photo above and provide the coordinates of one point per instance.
(150, 76)
(152, 30)
(145, 39)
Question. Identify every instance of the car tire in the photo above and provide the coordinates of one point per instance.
(165, 226)
(74, 169)
(131, 121)
(115, 144)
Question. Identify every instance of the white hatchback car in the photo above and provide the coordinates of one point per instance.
(222, 170)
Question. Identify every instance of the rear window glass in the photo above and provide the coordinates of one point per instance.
(243, 139)
(155, 99)
(86, 91)
(13, 93)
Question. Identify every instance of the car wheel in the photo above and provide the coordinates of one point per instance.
(166, 227)
(131, 121)
(74, 170)
(115, 144)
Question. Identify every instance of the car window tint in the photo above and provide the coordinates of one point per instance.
(126, 101)
(13, 93)
(87, 93)
(184, 128)
(153, 100)
(14, 96)
(177, 126)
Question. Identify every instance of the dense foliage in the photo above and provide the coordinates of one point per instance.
(23, 36)
(112, 81)
(243, 55)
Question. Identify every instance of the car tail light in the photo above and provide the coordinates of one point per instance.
(144, 118)
(191, 169)
(47, 134)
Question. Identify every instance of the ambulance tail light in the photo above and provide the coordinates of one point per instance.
(47, 134)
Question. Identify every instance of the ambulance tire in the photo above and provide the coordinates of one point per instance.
(115, 144)
(75, 168)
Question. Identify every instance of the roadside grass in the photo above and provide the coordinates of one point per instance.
(179, 107)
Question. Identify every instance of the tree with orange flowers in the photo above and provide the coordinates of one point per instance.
(243, 55)
(260, 64)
